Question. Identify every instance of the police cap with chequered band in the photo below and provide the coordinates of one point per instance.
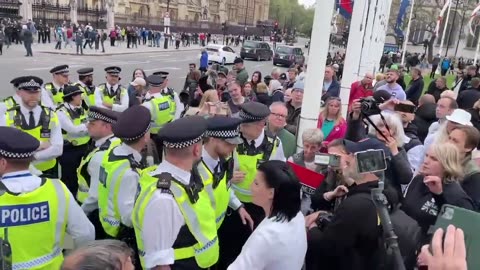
(30, 83)
(224, 127)
(71, 90)
(62, 69)
(113, 70)
(17, 144)
(253, 112)
(132, 124)
(183, 132)
(155, 80)
(105, 115)
(85, 71)
(162, 74)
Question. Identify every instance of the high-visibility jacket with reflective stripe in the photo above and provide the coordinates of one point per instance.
(219, 195)
(82, 173)
(171, 96)
(56, 94)
(36, 223)
(115, 99)
(77, 119)
(110, 177)
(160, 107)
(41, 132)
(248, 165)
(88, 94)
(9, 102)
(199, 218)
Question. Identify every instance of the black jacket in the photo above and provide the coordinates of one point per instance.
(347, 243)
(424, 206)
(293, 118)
(424, 117)
(415, 90)
(466, 99)
(435, 91)
(471, 181)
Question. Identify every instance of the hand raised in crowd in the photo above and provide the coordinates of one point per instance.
(389, 104)
(453, 254)
(391, 143)
(245, 217)
(356, 109)
(310, 219)
(238, 177)
(434, 184)
(337, 192)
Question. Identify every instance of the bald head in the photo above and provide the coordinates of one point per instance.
(368, 78)
(426, 99)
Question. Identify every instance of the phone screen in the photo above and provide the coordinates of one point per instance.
(370, 161)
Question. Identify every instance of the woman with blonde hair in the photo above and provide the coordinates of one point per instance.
(436, 184)
(331, 122)
(209, 105)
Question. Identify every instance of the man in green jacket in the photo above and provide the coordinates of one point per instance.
(276, 126)
(242, 74)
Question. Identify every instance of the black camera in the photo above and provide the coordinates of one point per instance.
(369, 106)
(323, 219)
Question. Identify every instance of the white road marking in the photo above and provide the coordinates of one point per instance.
(158, 55)
(155, 69)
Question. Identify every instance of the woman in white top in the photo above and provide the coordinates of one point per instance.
(280, 241)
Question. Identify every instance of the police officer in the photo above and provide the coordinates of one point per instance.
(14, 100)
(173, 220)
(160, 108)
(39, 121)
(175, 104)
(216, 167)
(36, 212)
(258, 146)
(73, 120)
(85, 82)
(99, 126)
(112, 95)
(60, 77)
(120, 170)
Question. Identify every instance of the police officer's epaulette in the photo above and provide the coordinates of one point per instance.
(105, 145)
(104, 85)
(164, 182)
(59, 107)
(274, 138)
(14, 108)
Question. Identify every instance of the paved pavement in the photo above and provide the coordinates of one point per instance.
(13, 63)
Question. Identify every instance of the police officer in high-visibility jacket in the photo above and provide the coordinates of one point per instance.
(120, 171)
(60, 78)
(112, 95)
(35, 212)
(85, 82)
(160, 109)
(173, 218)
(176, 105)
(216, 167)
(39, 121)
(14, 100)
(73, 120)
(99, 126)
(258, 146)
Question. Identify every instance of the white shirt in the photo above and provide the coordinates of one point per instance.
(93, 168)
(47, 97)
(274, 246)
(124, 99)
(128, 185)
(78, 225)
(162, 221)
(211, 163)
(56, 140)
(67, 123)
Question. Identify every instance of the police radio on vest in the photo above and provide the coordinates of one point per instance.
(17, 215)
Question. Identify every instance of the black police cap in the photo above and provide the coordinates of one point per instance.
(114, 70)
(30, 83)
(16, 144)
(163, 74)
(253, 111)
(71, 90)
(85, 71)
(224, 127)
(183, 132)
(133, 123)
(155, 80)
(60, 69)
(105, 115)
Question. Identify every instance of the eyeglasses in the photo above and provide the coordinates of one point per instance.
(278, 115)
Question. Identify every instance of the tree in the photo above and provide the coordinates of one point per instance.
(291, 15)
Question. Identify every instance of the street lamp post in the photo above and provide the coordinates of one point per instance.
(453, 24)
(245, 23)
(461, 27)
(167, 27)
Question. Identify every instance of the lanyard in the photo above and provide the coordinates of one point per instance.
(16, 176)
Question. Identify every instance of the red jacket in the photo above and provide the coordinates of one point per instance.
(358, 91)
(338, 132)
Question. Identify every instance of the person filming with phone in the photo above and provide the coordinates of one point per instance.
(352, 231)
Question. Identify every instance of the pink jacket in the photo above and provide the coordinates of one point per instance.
(338, 131)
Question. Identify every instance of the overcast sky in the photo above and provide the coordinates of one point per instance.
(306, 2)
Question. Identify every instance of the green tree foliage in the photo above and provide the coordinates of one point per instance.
(291, 15)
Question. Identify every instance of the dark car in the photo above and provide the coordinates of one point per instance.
(288, 55)
(256, 50)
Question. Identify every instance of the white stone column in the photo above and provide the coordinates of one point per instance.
(110, 14)
(73, 12)
(26, 10)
